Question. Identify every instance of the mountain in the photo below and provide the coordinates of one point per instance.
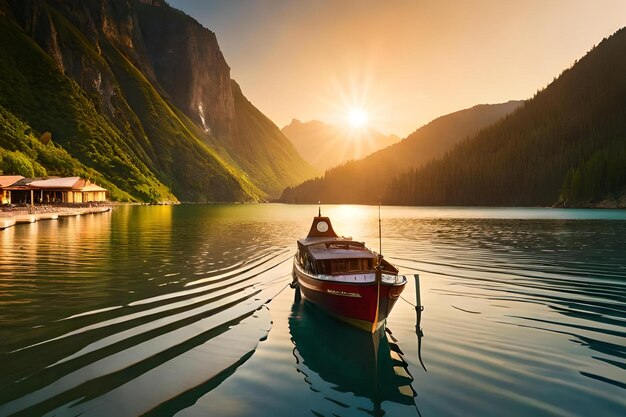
(138, 96)
(567, 145)
(324, 145)
(366, 180)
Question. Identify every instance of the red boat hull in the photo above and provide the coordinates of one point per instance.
(354, 303)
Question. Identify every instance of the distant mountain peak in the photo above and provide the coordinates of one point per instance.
(325, 145)
(364, 181)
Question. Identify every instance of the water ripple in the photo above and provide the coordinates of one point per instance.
(163, 310)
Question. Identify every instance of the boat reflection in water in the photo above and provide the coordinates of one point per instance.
(350, 368)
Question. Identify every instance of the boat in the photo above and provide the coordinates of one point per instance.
(344, 278)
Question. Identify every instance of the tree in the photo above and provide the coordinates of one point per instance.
(45, 138)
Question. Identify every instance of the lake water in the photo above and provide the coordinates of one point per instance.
(163, 311)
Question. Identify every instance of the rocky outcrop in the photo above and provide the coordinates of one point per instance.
(617, 201)
(188, 65)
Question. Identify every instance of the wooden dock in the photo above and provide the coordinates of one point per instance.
(20, 218)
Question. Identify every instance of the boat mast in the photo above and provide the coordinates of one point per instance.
(380, 238)
(379, 273)
(319, 207)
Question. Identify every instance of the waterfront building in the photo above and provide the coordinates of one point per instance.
(20, 190)
(5, 182)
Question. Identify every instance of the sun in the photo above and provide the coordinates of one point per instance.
(357, 118)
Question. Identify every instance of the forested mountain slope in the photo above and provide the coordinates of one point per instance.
(567, 144)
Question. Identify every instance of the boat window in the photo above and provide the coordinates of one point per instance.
(338, 266)
(323, 267)
(355, 264)
(365, 264)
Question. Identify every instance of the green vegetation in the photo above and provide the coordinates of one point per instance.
(263, 151)
(602, 175)
(567, 143)
(195, 171)
(23, 153)
(18, 163)
(32, 89)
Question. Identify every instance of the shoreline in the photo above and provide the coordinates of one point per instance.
(13, 217)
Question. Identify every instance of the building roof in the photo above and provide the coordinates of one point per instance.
(16, 182)
(6, 180)
(21, 184)
(92, 187)
(67, 182)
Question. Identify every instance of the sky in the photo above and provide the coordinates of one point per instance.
(402, 62)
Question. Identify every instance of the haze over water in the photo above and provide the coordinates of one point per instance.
(163, 310)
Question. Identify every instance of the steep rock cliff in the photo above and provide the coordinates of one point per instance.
(163, 94)
(199, 83)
